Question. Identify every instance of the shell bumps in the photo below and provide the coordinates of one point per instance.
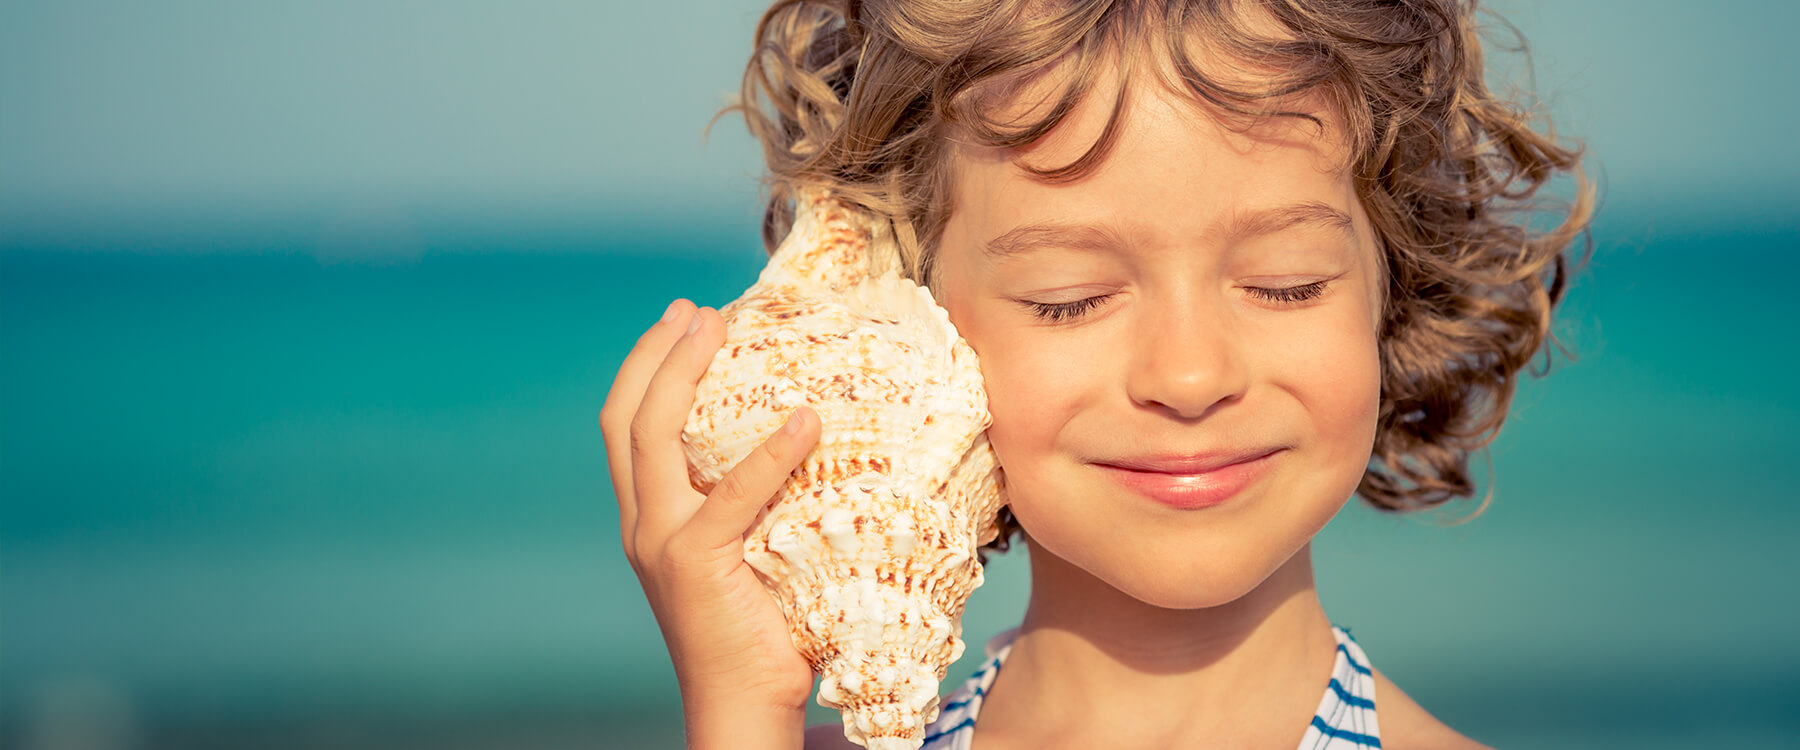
(869, 548)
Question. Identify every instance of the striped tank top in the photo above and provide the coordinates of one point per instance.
(1345, 719)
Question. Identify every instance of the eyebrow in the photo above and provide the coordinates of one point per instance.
(1024, 239)
(1272, 220)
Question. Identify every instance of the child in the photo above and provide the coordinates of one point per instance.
(1225, 265)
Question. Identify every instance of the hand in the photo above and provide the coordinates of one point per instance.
(727, 637)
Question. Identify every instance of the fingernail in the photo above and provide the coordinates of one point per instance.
(793, 424)
(694, 325)
(669, 314)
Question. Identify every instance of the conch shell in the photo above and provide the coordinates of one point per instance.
(870, 547)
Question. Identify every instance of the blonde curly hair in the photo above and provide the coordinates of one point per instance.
(860, 97)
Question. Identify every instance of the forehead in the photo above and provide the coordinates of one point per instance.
(1143, 64)
(1187, 168)
(1140, 111)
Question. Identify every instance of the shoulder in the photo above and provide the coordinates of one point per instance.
(828, 737)
(1405, 725)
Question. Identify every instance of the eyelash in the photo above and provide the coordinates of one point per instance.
(1058, 312)
(1292, 294)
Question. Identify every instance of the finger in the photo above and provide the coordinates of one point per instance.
(622, 402)
(658, 463)
(732, 507)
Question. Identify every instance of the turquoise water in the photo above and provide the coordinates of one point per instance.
(261, 499)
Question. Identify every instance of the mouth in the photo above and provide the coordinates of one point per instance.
(1190, 483)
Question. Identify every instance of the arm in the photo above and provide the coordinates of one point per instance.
(744, 726)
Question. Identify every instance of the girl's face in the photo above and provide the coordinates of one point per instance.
(1204, 296)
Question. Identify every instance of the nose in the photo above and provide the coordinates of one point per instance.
(1187, 360)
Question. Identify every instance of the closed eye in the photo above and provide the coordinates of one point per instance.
(1057, 312)
(1290, 295)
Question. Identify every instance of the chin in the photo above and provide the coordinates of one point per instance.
(1189, 587)
(1176, 575)
(1184, 598)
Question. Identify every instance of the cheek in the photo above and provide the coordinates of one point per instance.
(1020, 374)
(1338, 373)
(1036, 383)
(1031, 390)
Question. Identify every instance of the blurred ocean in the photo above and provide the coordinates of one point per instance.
(285, 497)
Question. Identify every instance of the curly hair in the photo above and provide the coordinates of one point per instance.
(859, 97)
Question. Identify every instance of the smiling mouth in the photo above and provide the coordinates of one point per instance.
(1218, 479)
(1188, 463)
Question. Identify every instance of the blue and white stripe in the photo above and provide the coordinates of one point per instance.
(1345, 719)
(1346, 715)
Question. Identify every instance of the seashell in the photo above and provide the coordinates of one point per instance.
(869, 548)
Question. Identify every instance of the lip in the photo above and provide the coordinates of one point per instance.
(1190, 482)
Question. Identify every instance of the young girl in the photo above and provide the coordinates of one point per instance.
(1225, 264)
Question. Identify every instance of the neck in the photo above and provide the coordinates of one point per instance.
(1258, 661)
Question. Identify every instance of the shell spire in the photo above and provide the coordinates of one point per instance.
(870, 547)
(828, 250)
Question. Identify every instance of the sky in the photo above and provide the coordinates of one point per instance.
(547, 108)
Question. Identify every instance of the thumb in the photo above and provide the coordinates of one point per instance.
(734, 503)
